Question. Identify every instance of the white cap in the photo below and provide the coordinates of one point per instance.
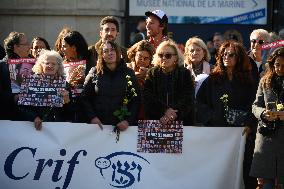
(159, 14)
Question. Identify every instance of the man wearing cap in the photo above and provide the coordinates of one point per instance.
(157, 26)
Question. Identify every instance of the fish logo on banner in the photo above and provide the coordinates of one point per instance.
(121, 169)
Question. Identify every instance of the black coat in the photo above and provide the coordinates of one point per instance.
(103, 94)
(210, 108)
(8, 106)
(174, 90)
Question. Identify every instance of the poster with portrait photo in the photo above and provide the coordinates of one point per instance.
(156, 138)
(75, 75)
(40, 90)
(19, 68)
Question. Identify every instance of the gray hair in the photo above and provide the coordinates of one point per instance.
(172, 44)
(44, 54)
(261, 32)
(199, 42)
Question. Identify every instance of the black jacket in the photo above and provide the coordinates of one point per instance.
(103, 94)
(174, 90)
(210, 108)
(8, 106)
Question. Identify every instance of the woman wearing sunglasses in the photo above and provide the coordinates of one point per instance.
(268, 160)
(168, 88)
(226, 96)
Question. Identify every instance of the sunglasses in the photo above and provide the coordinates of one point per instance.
(166, 55)
(260, 42)
(230, 55)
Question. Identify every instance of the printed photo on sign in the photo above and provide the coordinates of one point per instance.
(19, 68)
(39, 90)
(75, 75)
(156, 138)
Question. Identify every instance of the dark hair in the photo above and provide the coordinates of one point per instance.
(12, 39)
(43, 40)
(270, 73)
(74, 38)
(242, 69)
(109, 19)
(165, 30)
(143, 45)
(58, 42)
(100, 62)
(218, 34)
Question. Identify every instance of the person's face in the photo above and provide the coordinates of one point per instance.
(68, 51)
(108, 32)
(195, 53)
(23, 48)
(229, 57)
(256, 41)
(37, 46)
(142, 59)
(279, 66)
(26, 69)
(50, 66)
(167, 58)
(217, 41)
(109, 54)
(153, 26)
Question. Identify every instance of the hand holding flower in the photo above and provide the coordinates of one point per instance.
(123, 125)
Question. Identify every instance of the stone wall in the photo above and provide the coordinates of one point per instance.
(46, 18)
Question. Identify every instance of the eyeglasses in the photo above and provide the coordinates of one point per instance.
(260, 42)
(230, 55)
(166, 55)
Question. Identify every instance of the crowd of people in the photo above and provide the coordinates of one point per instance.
(221, 86)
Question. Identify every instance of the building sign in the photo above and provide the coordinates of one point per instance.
(205, 11)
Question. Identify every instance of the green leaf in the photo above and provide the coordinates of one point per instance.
(116, 113)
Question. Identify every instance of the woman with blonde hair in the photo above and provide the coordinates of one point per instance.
(197, 56)
(168, 89)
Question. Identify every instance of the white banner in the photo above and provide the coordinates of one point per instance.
(73, 156)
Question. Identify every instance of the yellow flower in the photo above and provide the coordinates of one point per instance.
(125, 101)
(129, 82)
(280, 107)
(127, 77)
